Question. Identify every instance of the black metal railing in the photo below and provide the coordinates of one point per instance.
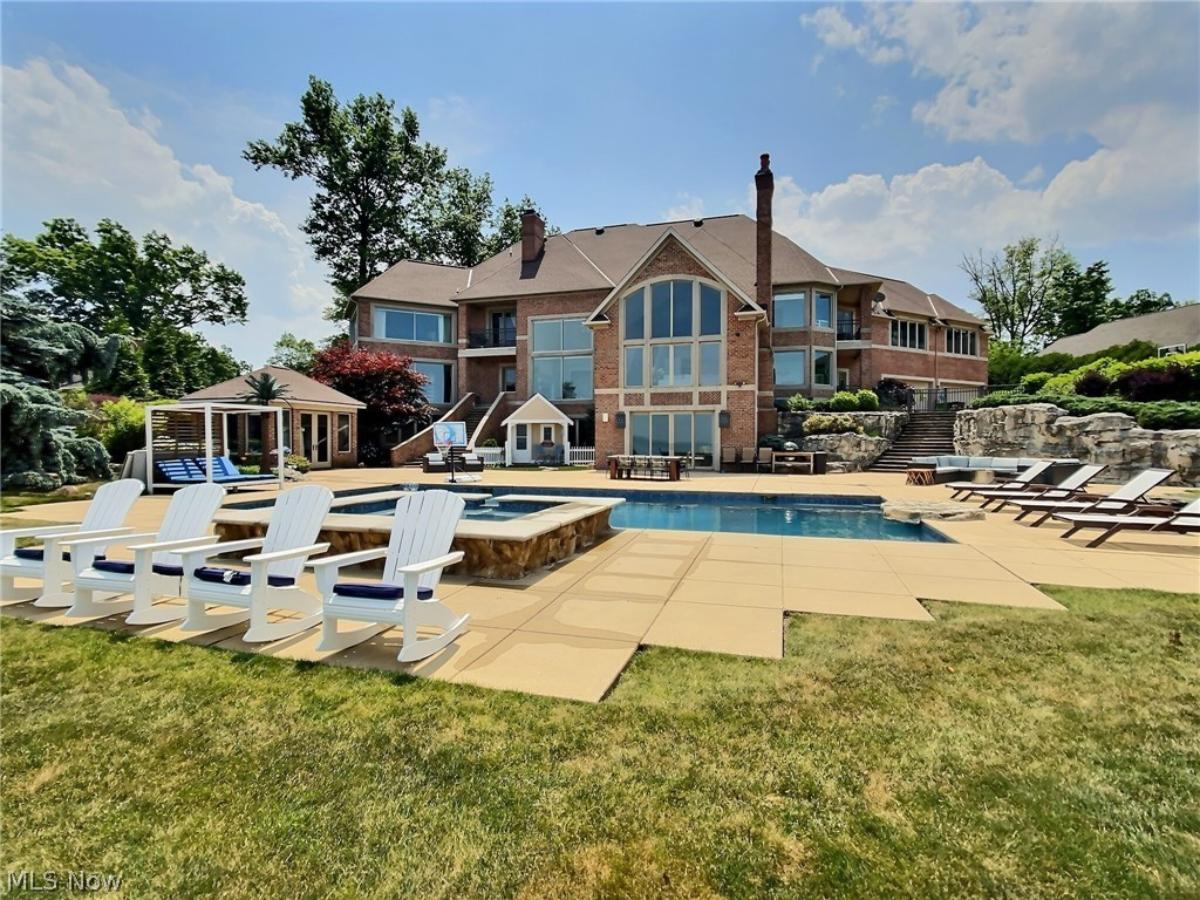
(492, 337)
(944, 398)
(849, 328)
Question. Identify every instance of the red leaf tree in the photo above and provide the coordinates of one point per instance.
(388, 384)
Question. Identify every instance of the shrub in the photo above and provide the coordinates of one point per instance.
(121, 427)
(821, 424)
(798, 403)
(1093, 384)
(298, 462)
(489, 442)
(1035, 381)
(892, 392)
(868, 401)
(844, 401)
(1165, 414)
(1168, 382)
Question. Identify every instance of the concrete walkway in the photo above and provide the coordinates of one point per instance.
(570, 631)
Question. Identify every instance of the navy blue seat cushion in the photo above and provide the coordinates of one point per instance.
(233, 576)
(124, 567)
(40, 553)
(382, 591)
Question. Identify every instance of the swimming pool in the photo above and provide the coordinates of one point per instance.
(476, 511)
(797, 515)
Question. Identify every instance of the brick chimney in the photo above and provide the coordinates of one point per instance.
(764, 186)
(533, 235)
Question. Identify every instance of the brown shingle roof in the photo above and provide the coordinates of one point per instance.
(904, 298)
(411, 281)
(598, 258)
(301, 389)
(1167, 328)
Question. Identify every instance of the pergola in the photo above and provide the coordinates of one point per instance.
(207, 410)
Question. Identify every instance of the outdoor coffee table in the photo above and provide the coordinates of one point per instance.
(919, 476)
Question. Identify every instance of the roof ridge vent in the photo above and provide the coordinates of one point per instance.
(600, 229)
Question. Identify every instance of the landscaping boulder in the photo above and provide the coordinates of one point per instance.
(917, 511)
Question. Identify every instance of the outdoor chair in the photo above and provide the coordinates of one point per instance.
(1182, 521)
(1125, 498)
(766, 457)
(963, 490)
(271, 582)
(417, 552)
(155, 571)
(728, 458)
(49, 563)
(746, 457)
(1070, 486)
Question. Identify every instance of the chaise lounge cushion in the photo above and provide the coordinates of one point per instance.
(382, 591)
(219, 575)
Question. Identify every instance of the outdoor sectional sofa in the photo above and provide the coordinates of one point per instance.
(958, 468)
(191, 470)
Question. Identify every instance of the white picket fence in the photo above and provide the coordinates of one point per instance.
(491, 456)
(582, 456)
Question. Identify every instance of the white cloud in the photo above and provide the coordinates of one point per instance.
(1034, 175)
(70, 150)
(686, 207)
(1024, 71)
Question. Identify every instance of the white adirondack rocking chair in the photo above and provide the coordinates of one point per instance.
(418, 551)
(271, 582)
(155, 571)
(49, 563)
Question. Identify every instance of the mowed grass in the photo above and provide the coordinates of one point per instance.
(996, 752)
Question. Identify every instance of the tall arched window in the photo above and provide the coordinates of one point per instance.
(671, 334)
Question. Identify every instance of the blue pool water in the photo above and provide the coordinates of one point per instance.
(477, 510)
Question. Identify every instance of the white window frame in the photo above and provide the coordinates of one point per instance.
(804, 368)
(840, 373)
(904, 328)
(1172, 349)
(695, 340)
(833, 308)
(832, 368)
(965, 338)
(804, 295)
(379, 329)
(535, 354)
(337, 431)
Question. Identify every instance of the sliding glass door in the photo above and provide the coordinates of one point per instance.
(673, 434)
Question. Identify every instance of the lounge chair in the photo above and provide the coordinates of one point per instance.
(962, 490)
(1066, 489)
(416, 554)
(1127, 497)
(271, 582)
(155, 571)
(49, 563)
(1183, 521)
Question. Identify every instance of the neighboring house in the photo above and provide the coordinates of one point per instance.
(320, 423)
(1171, 331)
(675, 337)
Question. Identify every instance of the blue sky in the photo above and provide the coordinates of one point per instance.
(901, 137)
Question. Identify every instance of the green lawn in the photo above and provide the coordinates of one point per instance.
(996, 752)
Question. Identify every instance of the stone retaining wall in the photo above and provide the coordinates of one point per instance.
(847, 452)
(1046, 430)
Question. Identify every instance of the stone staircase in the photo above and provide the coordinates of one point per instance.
(475, 416)
(926, 434)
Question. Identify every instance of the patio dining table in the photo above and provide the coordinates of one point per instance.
(640, 466)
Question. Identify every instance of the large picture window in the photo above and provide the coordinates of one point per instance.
(672, 332)
(823, 368)
(409, 325)
(562, 358)
(822, 309)
(791, 368)
(907, 333)
(961, 341)
(791, 309)
(440, 388)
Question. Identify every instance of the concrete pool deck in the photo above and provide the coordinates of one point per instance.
(570, 630)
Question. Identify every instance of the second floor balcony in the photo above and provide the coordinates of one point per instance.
(497, 336)
(849, 328)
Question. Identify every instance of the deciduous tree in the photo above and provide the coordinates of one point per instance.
(293, 353)
(1016, 288)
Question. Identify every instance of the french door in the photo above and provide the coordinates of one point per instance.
(673, 434)
(314, 438)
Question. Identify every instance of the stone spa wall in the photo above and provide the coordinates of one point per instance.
(1046, 430)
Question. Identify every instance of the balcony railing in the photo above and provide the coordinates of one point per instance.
(849, 328)
(492, 337)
